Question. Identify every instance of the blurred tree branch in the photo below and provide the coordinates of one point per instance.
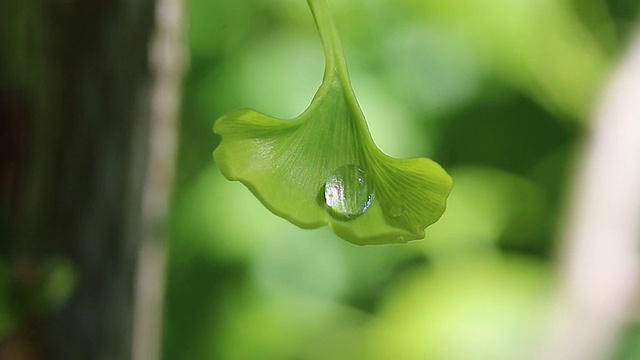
(600, 264)
(167, 60)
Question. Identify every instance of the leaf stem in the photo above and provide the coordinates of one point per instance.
(336, 65)
(334, 56)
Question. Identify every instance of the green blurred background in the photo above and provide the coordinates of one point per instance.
(498, 92)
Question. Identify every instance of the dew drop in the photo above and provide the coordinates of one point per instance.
(347, 192)
(396, 210)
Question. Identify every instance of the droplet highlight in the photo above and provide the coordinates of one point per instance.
(348, 193)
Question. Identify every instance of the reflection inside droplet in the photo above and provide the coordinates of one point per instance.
(347, 192)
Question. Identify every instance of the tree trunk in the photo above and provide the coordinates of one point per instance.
(88, 163)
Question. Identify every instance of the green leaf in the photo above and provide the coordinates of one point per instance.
(324, 168)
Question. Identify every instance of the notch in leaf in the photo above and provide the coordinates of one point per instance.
(324, 168)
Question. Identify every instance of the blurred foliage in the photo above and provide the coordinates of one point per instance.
(27, 292)
(498, 92)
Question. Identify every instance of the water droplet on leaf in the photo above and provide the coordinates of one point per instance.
(347, 192)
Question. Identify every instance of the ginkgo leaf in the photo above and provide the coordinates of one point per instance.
(324, 168)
